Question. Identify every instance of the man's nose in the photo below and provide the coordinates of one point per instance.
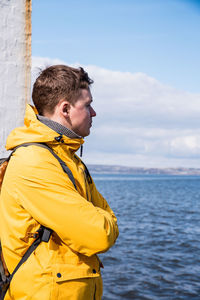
(92, 112)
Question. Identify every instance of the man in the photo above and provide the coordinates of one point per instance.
(36, 191)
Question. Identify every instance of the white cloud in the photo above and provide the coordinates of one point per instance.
(140, 121)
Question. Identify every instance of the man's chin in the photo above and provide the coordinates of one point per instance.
(86, 133)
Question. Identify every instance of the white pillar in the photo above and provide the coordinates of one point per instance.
(15, 65)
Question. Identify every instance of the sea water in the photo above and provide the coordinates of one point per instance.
(157, 254)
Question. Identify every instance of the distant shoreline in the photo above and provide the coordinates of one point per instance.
(114, 169)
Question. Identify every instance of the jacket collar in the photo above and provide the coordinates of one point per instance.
(36, 131)
(57, 127)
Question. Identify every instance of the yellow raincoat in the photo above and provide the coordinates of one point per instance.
(37, 191)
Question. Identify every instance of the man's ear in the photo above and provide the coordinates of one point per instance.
(65, 108)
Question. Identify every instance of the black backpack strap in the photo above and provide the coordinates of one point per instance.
(89, 178)
(2, 160)
(43, 235)
(62, 163)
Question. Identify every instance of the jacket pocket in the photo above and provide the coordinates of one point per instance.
(64, 272)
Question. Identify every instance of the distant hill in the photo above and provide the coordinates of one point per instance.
(110, 169)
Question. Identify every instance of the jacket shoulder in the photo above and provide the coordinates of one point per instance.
(33, 155)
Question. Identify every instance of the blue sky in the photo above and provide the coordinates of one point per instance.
(159, 38)
(144, 57)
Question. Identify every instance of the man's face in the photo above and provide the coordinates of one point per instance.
(81, 114)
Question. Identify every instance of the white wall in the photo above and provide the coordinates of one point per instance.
(14, 66)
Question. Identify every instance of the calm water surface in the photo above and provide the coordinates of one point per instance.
(157, 255)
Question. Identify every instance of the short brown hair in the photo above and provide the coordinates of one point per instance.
(56, 83)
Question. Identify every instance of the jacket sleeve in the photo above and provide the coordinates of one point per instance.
(45, 191)
(101, 204)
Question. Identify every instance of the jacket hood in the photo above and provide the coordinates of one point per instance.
(35, 131)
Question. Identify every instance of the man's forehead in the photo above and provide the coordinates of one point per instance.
(86, 95)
